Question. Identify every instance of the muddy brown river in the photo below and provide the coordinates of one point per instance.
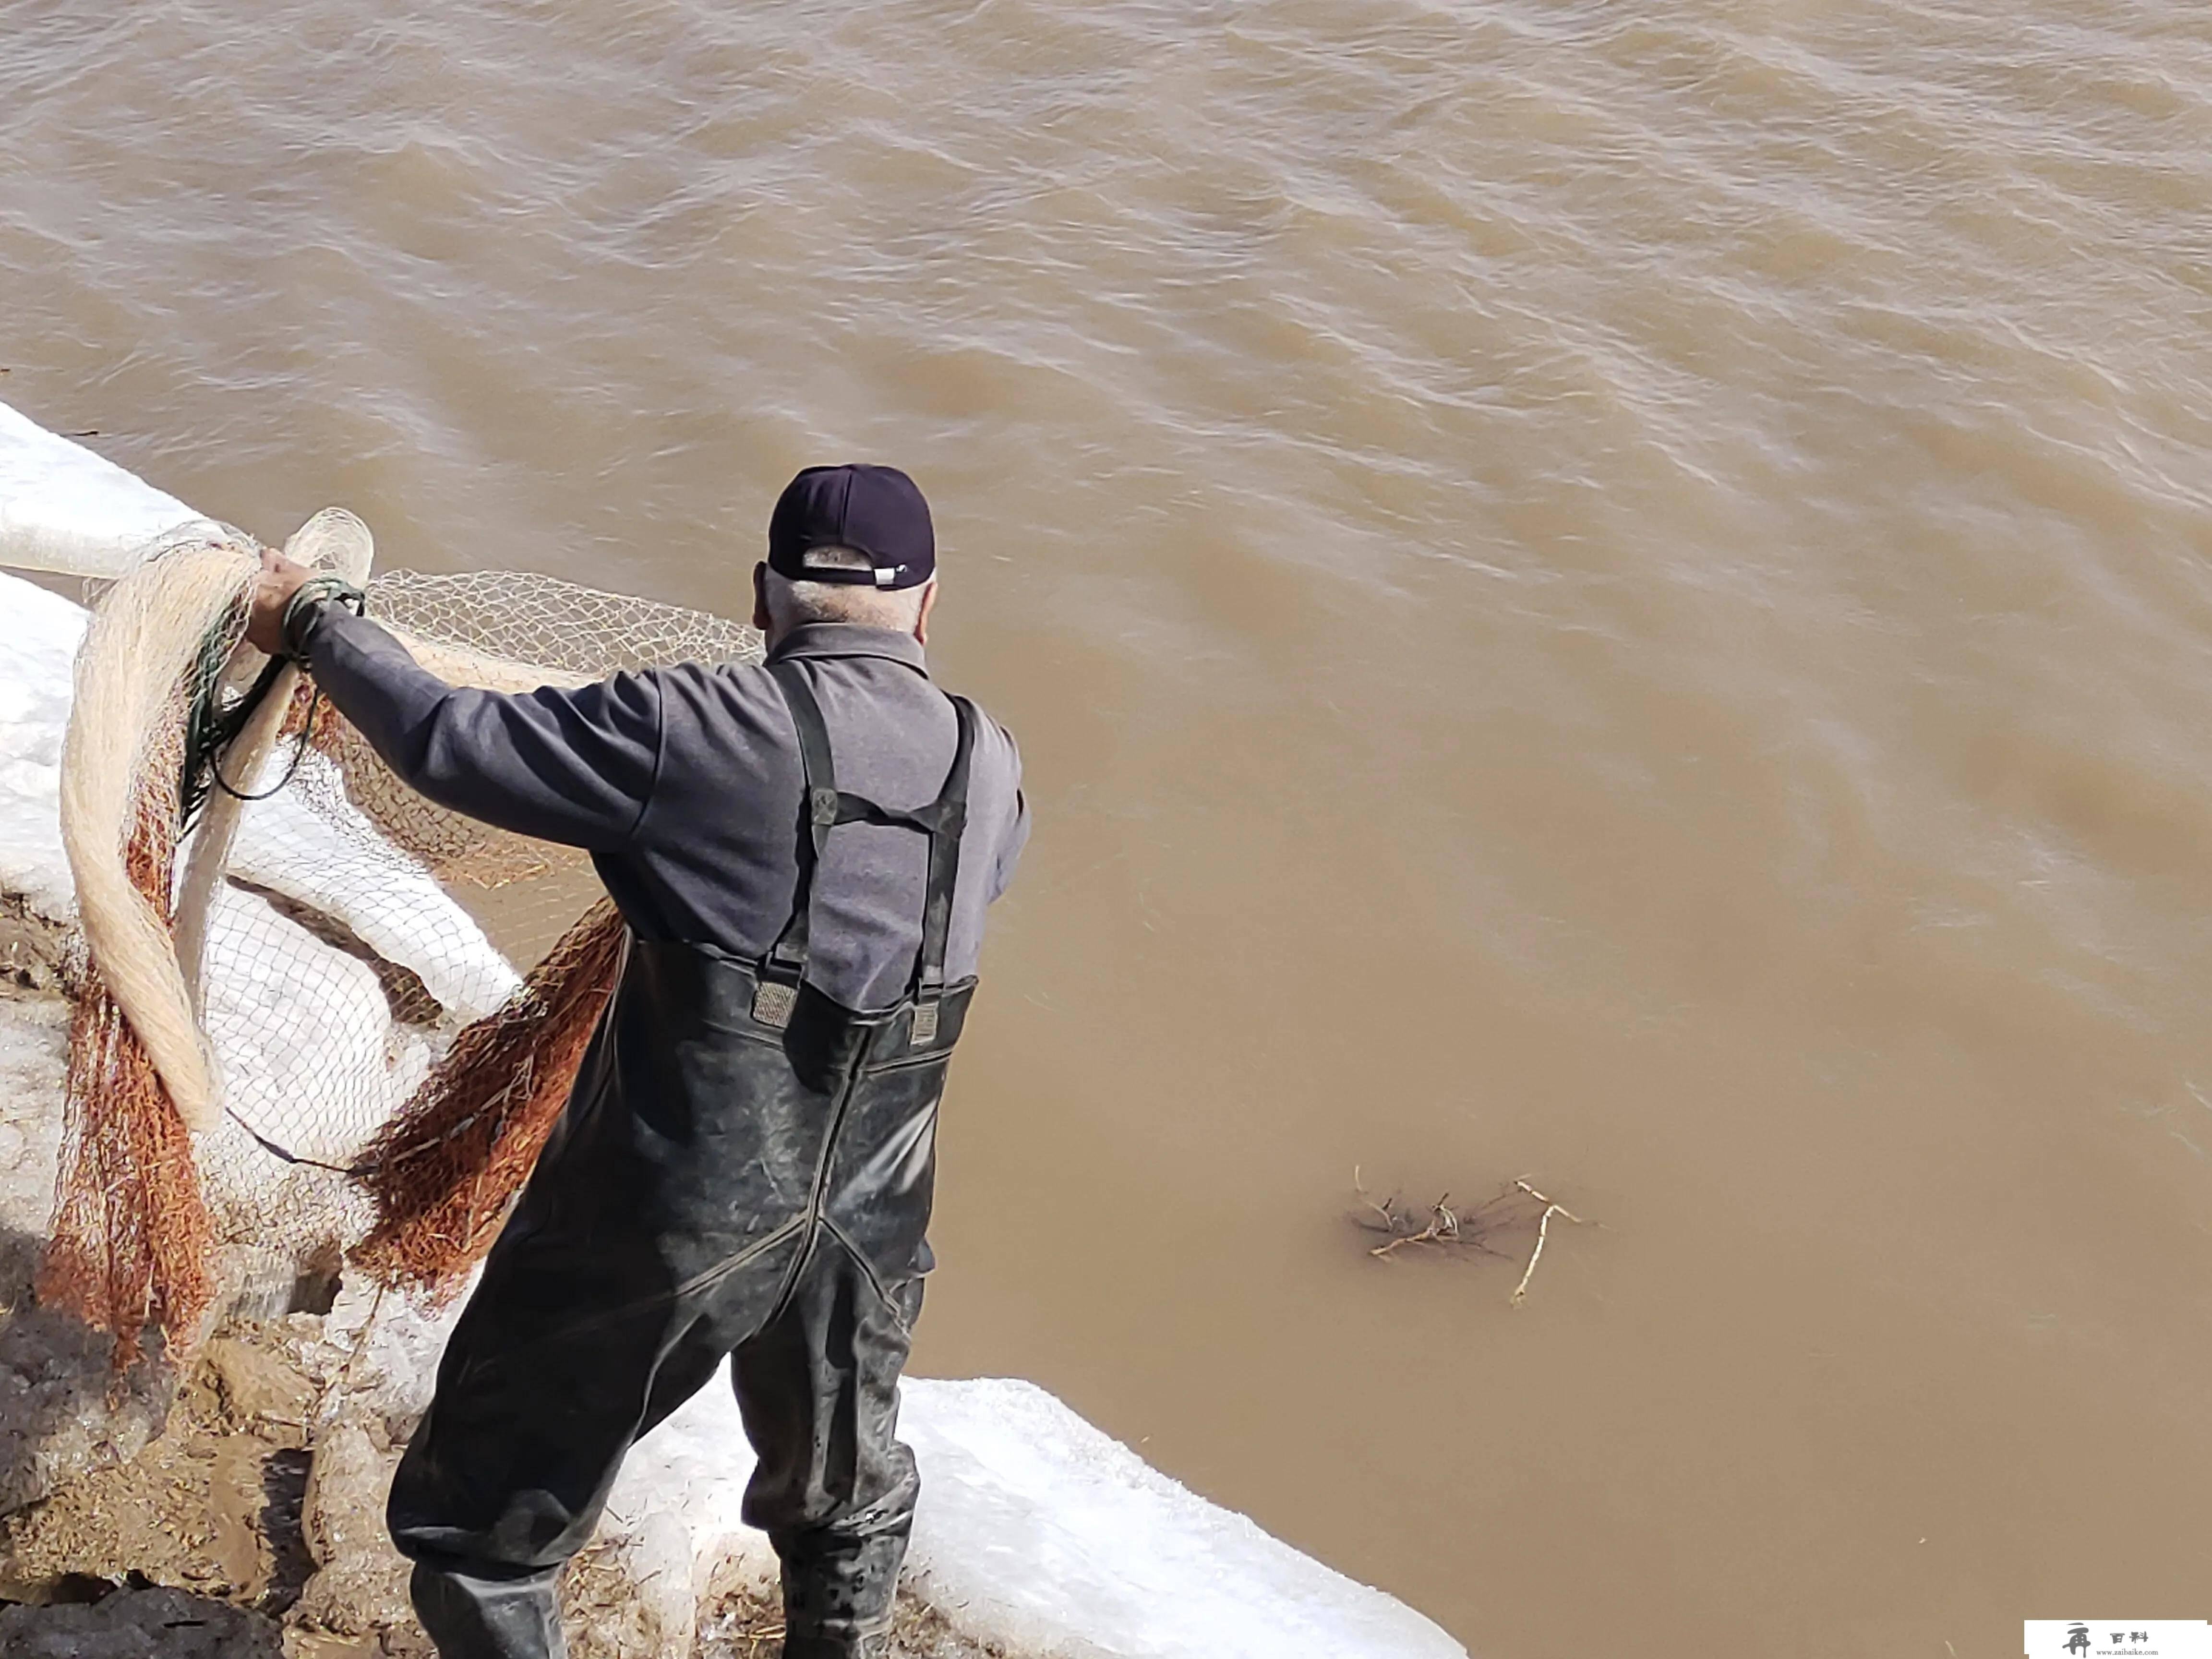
(1614, 593)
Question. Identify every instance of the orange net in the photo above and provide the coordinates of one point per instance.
(443, 1173)
(131, 1232)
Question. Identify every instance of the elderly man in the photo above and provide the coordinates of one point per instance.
(803, 851)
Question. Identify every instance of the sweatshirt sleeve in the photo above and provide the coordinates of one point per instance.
(576, 766)
(1018, 835)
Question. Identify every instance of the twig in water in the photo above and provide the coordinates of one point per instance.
(1387, 1210)
(1443, 1228)
(1446, 1228)
(1543, 1233)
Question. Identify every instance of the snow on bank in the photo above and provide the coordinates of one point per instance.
(330, 858)
(37, 647)
(1035, 1530)
(64, 510)
(1034, 1523)
(33, 1053)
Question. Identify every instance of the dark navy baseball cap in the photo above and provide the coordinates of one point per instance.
(875, 510)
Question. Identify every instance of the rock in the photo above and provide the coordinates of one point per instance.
(152, 1624)
(33, 1055)
(191, 1511)
(64, 1413)
(261, 1390)
(391, 1345)
(33, 946)
(381, 1352)
(360, 1586)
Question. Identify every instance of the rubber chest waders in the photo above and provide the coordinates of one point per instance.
(745, 1168)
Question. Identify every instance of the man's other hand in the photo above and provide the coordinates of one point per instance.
(279, 580)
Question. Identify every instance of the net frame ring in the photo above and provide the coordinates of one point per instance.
(334, 540)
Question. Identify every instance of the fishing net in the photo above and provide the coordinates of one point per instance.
(331, 1019)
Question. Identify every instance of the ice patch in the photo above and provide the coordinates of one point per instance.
(1040, 1532)
(33, 1054)
(38, 650)
(346, 869)
(302, 1033)
(63, 508)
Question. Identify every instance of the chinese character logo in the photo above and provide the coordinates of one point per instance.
(2077, 1638)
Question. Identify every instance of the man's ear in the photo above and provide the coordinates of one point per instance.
(928, 605)
(760, 597)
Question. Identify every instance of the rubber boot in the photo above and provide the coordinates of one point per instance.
(470, 1617)
(836, 1647)
(837, 1594)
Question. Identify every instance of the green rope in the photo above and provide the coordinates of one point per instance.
(212, 723)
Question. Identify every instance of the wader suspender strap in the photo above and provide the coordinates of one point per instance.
(824, 807)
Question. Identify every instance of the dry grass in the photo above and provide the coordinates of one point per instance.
(749, 1625)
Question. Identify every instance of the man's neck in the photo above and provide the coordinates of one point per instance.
(838, 639)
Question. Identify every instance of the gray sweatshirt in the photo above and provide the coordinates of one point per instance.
(684, 784)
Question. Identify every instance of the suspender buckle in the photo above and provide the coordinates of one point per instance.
(773, 1001)
(925, 1024)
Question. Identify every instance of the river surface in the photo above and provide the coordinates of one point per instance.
(1619, 594)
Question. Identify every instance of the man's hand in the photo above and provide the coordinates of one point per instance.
(279, 580)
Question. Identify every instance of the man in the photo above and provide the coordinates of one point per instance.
(803, 851)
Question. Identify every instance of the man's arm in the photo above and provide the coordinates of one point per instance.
(576, 766)
(1017, 837)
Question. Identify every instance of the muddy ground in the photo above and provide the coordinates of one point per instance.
(225, 1535)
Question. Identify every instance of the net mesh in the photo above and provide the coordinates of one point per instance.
(396, 998)
(132, 1231)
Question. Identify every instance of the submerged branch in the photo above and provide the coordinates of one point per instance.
(1543, 1234)
(1441, 1227)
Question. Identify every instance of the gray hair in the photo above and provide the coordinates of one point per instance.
(790, 603)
